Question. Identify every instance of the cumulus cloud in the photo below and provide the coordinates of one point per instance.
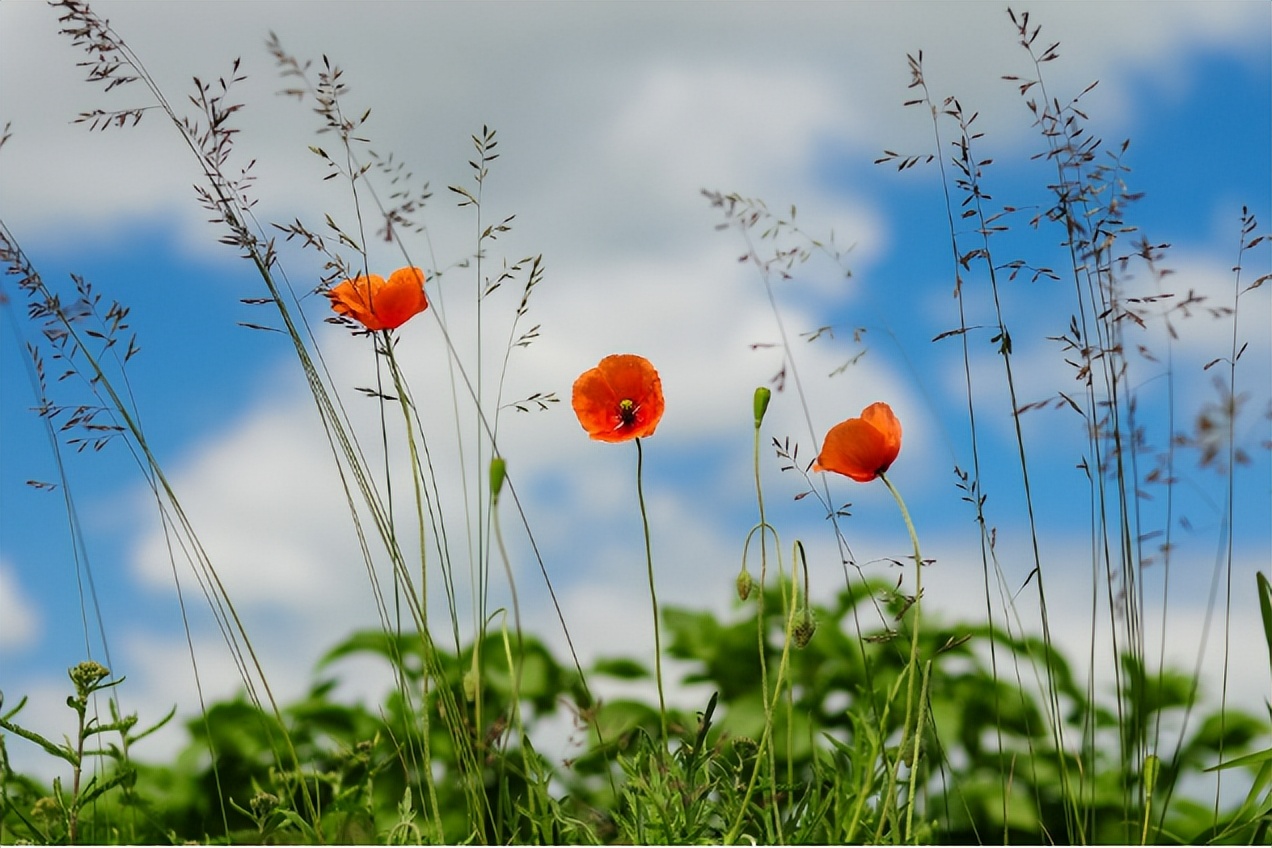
(20, 623)
(705, 92)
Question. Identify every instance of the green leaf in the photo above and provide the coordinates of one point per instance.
(156, 726)
(404, 651)
(622, 668)
(64, 753)
(97, 787)
(11, 713)
(616, 718)
(1265, 608)
(1256, 758)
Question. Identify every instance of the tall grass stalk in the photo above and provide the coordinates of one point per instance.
(73, 340)
(1091, 230)
(212, 141)
(970, 484)
(968, 182)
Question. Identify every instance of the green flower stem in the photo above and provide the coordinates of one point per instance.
(910, 735)
(653, 595)
(422, 598)
(762, 397)
(770, 707)
(498, 470)
(399, 389)
(761, 402)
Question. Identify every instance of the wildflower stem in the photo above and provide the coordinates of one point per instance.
(910, 735)
(761, 404)
(399, 389)
(653, 595)
(497, 472)
(765, 749)
(422, 598)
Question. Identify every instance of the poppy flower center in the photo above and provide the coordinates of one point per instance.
(627, 409)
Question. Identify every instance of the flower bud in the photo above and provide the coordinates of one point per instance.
(264, 803)
(87, 675)
(47, 809)
(498, 470)
(803, 632)
(762, 397)
(745, 746)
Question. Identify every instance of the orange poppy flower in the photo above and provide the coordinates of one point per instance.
(378, 305)
(619, 399)
(862, 448)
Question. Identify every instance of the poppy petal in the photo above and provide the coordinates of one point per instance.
(380, 305)
(620, 399)
(862, 448)
(350, 298)
(881, 416)
(401, 298)
(853, 448)
(594, 403)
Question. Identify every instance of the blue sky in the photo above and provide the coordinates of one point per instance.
(610, 119)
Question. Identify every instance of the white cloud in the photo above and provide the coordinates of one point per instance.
(702, 93)
(710, 115)
(251, 490)
(20, 620)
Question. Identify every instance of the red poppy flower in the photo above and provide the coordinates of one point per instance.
(862, 448)
(378, 305)
(619, 399)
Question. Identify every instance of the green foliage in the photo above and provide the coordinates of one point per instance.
(75, 812)
(987, 769)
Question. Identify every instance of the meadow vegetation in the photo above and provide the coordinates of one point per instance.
(867, 718)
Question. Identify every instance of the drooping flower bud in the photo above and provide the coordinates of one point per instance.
(803, 631)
